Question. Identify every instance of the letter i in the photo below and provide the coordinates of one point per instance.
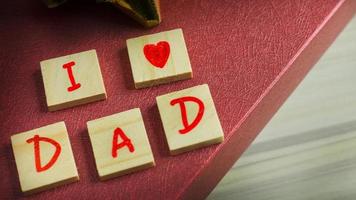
(74, 85)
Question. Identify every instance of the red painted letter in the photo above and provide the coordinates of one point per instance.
(181, 101)
(74, 85)
(36, 140)
(125, 142)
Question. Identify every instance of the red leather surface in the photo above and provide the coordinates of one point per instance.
(247, 51)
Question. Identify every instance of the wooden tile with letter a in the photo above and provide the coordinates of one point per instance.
(159, 58)
(44, 158)
(189, 119)
(72, 80)
(120, 144)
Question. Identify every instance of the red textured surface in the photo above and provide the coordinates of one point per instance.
(251, 53)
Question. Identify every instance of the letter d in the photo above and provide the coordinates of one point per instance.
(36, 140)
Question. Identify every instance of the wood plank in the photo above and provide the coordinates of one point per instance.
(310, 142)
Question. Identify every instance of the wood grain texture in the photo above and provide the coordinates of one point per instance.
(252, 54)
(177, 67)
(307, 150)
(126, 161)
(86, 74)
(63, 170)
(208, 130)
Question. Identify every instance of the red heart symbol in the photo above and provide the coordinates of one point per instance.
(158, 54)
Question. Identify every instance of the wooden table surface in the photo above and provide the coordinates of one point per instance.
(308, 149)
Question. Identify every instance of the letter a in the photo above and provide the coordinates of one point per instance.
(36, 140)
(125, 142)
(74, 85)
(181, 101)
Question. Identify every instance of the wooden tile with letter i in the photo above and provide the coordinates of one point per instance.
(159, 58)
(120, 144)
(72, 80)
(44, 158)
(189, 119)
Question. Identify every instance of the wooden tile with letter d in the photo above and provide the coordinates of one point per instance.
(159, 58)
(44, 158)
(72, 80)
(189, 119)
(120, 144)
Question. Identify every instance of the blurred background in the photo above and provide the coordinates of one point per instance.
(308, 149)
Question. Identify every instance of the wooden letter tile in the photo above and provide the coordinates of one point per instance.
(159, 58)
(189, 119)
(72, 80)
(120, 144)
(44, 158)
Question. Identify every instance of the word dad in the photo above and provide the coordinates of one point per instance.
(119, 142)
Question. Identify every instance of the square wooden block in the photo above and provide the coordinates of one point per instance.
(189, 119)
(120, 144)
(159, 58)
(44, 158)
(72, 80)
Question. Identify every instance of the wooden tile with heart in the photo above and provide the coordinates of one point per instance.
(159, 58)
